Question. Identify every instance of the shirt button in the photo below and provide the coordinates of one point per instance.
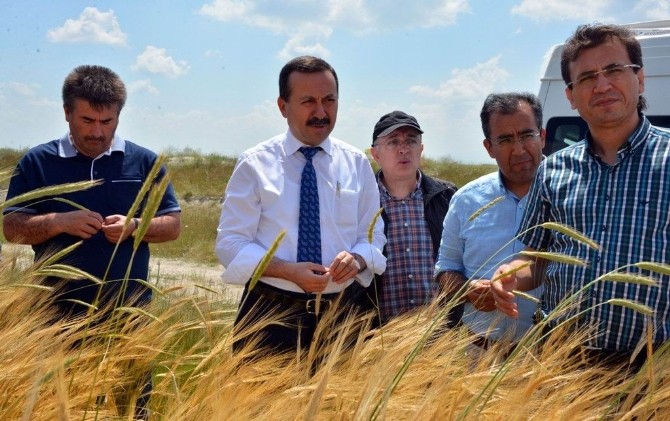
(410, 276)
(406, 224)
(411, 301)
(607, 197)
(604, 228)
(407, 250)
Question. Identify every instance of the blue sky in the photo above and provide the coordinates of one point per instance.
(204, 74)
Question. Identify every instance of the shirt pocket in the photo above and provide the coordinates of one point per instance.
(122, 193)
(346, 209)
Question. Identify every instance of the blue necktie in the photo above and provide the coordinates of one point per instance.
(309, 225)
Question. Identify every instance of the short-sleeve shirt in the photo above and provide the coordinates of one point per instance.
(123, 169)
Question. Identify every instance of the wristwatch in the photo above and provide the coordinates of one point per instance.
(357, 262)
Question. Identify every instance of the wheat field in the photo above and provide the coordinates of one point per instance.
(408, 370)
(95, 368)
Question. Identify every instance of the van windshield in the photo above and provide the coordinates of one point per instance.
(565, 131)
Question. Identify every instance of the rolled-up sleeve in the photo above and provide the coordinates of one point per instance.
(238, 224)
(368, 210)
(452, 245)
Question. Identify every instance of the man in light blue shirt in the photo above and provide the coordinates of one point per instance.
(484, 215)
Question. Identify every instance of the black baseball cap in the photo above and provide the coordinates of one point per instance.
(391, 121)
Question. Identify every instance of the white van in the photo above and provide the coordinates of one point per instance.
(563, 124)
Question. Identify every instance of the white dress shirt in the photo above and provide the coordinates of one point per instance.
(263, 198)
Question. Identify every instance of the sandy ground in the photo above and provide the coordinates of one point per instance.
(192, 278)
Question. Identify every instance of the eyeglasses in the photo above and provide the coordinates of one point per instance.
(524, 138)
(394, 144)
(613, 73)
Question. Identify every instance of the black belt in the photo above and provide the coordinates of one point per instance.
(482, 342)
(610, 357)
(308, 302)
(485, 343)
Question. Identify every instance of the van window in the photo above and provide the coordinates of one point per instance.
(660, 120)
(565, 131)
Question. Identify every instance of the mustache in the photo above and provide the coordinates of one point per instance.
(95, 138)
(318, 121)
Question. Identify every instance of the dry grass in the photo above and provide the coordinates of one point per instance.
(56, 370)
(94, 369)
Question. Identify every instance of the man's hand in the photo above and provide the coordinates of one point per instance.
(80, 223)
(502, 289)
(311, 277)
(112, 227)
(479, 294)
(344, 267)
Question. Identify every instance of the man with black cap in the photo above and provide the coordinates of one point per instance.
(414, 207)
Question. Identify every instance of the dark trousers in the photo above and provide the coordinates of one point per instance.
(282, 321)
(144, 386)
(607, 358)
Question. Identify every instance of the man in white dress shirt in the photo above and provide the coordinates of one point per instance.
(263, 197)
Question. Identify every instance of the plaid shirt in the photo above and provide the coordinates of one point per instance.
(408, 280)
(626, 209)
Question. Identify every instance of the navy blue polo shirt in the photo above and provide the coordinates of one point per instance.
(123, 170)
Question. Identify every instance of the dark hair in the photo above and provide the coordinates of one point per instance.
(98, 85)
(304, 64)
(591, 36)
(508, 103)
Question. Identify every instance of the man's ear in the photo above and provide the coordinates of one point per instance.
(374, 153)
(67, 113)
(568, 94)
(489, 147)
(282, 106)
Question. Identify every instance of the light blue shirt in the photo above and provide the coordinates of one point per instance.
(477, 247)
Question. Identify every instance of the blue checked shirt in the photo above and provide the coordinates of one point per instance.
(408, 280)
(624, 208)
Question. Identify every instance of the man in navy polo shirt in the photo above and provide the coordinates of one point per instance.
(93, 97)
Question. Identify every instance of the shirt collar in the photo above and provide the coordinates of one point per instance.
(501, 184)
(504, 191)
(292, 144)
(66, 148)
(384, 190)
(637, 138)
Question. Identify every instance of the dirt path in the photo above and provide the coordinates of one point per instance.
(193, 278)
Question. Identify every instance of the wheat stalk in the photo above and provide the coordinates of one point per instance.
(572, 233)
(265, 261)
(628, 278)
(633, 305)
(654, 267)
(556, 257)
(371, 226)
(479, 211)
(49, 191)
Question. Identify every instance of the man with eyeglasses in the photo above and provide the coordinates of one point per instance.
(612, 187)
(484, 215)
(414, 206)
